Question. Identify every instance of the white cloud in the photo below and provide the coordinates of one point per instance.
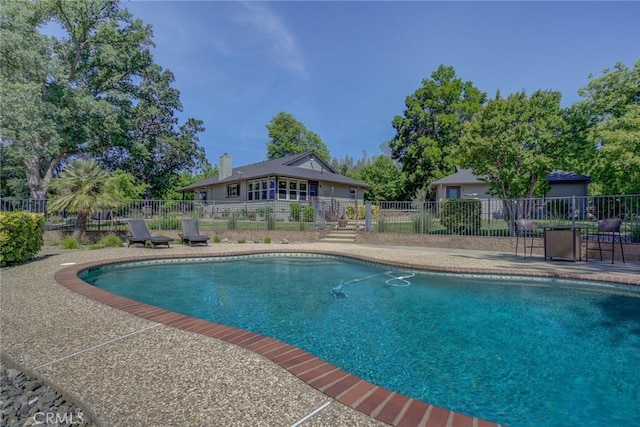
(281, 47)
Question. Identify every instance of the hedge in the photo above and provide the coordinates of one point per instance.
(21, 236)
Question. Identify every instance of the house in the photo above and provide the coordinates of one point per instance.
(301, 178)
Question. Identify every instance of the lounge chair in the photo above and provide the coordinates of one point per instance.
(140, 234)
(190, 233)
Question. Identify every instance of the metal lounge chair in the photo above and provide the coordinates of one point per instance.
(190, 233)
(140, 234)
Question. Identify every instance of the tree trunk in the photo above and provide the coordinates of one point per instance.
(80, 228)
(37, 181)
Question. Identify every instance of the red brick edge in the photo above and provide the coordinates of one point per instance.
(384, 405)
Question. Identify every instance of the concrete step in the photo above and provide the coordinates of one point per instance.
(340, 236)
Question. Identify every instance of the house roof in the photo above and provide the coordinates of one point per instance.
(462, 176)
(280, 167)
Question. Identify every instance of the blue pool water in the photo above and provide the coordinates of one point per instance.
(518, 351)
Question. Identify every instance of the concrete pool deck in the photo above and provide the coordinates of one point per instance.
(131, 370)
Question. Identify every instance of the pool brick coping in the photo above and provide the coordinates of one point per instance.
(384, 405)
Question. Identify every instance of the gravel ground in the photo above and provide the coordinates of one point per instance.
(27, 401)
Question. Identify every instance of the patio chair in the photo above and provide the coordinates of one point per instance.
(524, 230)
(191, 234)
(608, 231)
(140, 234)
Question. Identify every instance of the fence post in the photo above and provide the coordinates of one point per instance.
(367, 216)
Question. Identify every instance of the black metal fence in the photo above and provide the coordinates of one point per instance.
(484, 217)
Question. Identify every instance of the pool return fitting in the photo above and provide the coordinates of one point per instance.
(396, 278)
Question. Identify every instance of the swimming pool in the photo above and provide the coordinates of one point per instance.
(520, 353)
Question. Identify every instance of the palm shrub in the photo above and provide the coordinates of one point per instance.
(82, 188)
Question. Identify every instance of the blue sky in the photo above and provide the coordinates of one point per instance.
(344, 69)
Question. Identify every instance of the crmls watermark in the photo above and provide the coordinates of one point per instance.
(52, 418)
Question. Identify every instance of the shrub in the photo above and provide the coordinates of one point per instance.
(70, 242)
(351, 211)
(267, 239)
(108, 241)
(423, 223)
(294, 213)
(271, 221)
(171, 222)
(232, 221)
(461, 216)
(241, 240)
(21, 236)
(308, 214)
(216, 239)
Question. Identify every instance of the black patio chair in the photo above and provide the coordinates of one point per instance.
(608, 231)
(190, 233)
(140, 234)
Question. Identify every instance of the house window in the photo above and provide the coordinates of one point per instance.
(272, 188)
(353, 192)
(261, 189)
(453, 192)
(303, 190)
(282, 189)
(233, 190)
(292, 189)
(250, 190)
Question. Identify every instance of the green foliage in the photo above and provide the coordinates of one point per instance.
(216, 239)
(242, 240)
(92, 91)
(423, 223)
(431, 126)
(82, 189)
(513, 143)
(288, 136)
(605, 130)
(264, 211)
(70, 242)
(461, 216)
(108, 241)
(124, 186)
(386, 179)
(294, 212)
(21, 236)
(308, 214)
(266, 239)
(232, 220)
(165, 222)
(271, 220)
